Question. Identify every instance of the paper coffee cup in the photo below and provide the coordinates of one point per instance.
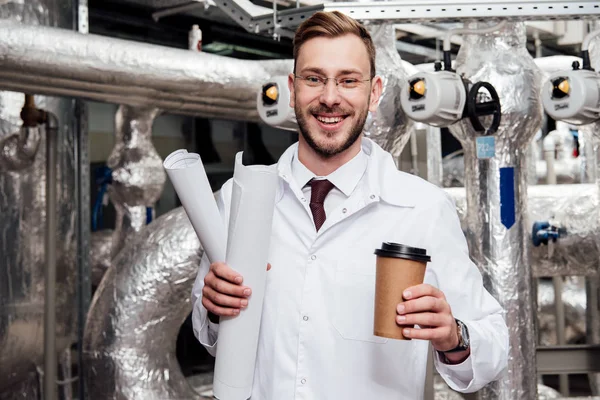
(398, 268)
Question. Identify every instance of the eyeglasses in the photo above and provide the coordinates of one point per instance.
(318, 82)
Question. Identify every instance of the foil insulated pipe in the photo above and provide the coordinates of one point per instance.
(567, 206)
(593, 283)
(496, 193)
(389, 127)
(574, 300)
(137, 311)
(588, 151)
(138, 177)
(23, 219)
(101, 243)
(18, 150)
(64, 63)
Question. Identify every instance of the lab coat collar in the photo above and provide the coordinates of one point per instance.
(383, 180)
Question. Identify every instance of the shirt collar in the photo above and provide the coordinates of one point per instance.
(345, 178)
(382, 177)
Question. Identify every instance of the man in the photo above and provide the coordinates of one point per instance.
(316, 339)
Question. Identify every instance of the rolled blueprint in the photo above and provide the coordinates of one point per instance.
(186, 172)
(249, 237)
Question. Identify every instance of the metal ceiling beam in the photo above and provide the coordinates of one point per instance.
(412, 11)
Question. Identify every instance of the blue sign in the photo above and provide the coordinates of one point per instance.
(507, 197)
(486, 146)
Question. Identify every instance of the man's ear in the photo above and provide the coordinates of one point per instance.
(376, 89)
(291, 87)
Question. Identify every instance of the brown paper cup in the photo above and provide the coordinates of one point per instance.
(396, 271)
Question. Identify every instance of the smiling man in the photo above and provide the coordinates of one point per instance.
(341, 197)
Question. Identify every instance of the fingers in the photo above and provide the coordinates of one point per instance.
(223, 294)
(224, 271)
(425, 319)
(433, 335)
(422, 290)
(423, 304)
(219, 311)
(222, 286)
(223, 300)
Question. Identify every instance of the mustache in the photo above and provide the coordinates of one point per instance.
(327, 110)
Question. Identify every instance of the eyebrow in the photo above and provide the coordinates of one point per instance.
(321, 72)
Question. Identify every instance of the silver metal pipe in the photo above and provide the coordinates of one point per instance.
(569, 206)
(559, 307)
(132, 325)
(497, 194)
(593, 282)
(138, 176)
(60, 62)
(389, 127)
(50, 354)
(23, 220)
(592, 314)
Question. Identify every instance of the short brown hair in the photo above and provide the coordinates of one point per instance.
(333, 24)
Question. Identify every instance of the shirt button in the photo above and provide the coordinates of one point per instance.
(372, 196)
(345, 210)
(305, 318)
(303, 381)
(303, 200)
(313, 257)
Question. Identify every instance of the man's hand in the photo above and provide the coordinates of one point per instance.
(427, 307)
(223, 293)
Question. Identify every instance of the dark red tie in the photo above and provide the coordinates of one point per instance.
(319, 190)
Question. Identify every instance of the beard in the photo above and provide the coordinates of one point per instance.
(311, 138)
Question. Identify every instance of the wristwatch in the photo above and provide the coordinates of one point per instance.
(463, 338)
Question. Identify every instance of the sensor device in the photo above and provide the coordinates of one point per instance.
(573, 96)
(273, 103)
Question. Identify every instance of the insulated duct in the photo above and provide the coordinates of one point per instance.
(136, 314)
(138, 177)
(23, 216)
(64, 63)
(496, 193)
(389, 127)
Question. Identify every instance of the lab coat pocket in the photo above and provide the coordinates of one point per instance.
(354, 301)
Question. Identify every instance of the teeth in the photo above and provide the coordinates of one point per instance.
(330, 120)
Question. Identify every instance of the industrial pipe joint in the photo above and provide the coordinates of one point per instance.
(543, 231)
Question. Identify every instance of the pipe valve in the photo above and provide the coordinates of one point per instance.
(544, 231)
(443, 97)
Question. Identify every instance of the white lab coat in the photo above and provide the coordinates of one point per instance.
(316, 340)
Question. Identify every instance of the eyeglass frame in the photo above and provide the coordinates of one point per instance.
(325, 80)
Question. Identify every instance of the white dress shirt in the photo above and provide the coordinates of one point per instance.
(345, 179)
(316, 340)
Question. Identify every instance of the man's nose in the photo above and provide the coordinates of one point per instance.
(330, 95)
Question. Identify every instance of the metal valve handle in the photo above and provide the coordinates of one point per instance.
(476, 110)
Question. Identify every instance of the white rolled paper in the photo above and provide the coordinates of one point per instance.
(249, 238)
(186, 172)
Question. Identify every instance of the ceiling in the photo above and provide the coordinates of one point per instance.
(167, 22)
